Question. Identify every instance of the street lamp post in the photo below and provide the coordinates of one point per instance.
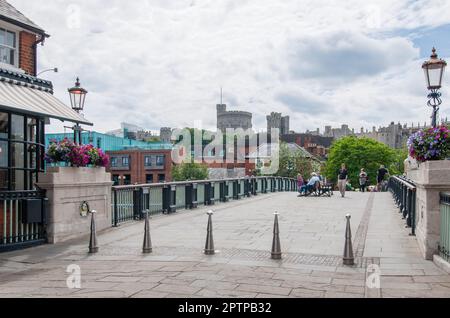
(434, 72)
(77, 98)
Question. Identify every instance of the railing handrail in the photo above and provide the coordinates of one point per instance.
(181, 183)
(406, 182)
(445, 198)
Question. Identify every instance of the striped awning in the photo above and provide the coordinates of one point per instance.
(35, 100)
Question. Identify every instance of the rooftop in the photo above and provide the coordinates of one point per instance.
(14, 16)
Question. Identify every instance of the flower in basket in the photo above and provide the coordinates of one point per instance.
(79, 157)
(430, 144)
(59, 151)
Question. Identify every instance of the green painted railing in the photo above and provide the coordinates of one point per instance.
(444, 245)
(129, 202)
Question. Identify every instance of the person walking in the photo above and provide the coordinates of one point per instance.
(300, 183)
(342, 179)
(382, 172)
(362, 180)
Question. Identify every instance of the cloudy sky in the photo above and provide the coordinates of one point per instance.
(162, 62)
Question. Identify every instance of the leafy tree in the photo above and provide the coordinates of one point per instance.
(365, 153)
(292, 163)
(189, 171)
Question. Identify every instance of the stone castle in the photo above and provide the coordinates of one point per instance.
(232, 119)
(394, 135)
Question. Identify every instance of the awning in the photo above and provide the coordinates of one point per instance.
(35, 101)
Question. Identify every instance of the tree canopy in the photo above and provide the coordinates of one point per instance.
(189, 171)
(294, 162)
(365, 153)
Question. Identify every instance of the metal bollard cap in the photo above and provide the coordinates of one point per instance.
(210, 212)
(93, 211)
(276, 213)
(348, 216)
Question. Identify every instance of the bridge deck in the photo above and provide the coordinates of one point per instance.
(312, 240)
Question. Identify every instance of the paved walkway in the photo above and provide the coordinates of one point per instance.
(312, 239)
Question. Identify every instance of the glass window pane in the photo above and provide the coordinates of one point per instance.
(4, 125)
(31, 130)
(3, 179)
(32, 156)
(18, 155)
(4, 154)
(17, 127)
(2, 36)
(11, 39)
(32, 180)
(18, 179)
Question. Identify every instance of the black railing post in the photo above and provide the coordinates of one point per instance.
(116, 209)
(137, 203)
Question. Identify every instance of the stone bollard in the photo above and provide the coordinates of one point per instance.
(276, 246)
(209, 247)
(147, 247)
(93, 248)
(349, 259)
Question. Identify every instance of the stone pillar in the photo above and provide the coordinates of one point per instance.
(67, 188)
(431, 178)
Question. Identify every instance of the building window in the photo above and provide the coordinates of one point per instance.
(161, 178)
(8, 47)
(116, 180)
(149, 179)
(127, 179)
(148, 161)
(22, 150)
(160, 160)
(125, 161)
(114, 162)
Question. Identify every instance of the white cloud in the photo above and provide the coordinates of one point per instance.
(162, 63)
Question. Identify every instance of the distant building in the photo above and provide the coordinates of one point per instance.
(165, 135)
(394, 135)
(277, 121)
(138, 166)
(108, 142)
(232, 119)
(316, 145)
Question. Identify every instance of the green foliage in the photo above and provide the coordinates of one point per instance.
(365, 153)
(293, 163)
(189, 171)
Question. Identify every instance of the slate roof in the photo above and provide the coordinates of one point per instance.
(14, 16)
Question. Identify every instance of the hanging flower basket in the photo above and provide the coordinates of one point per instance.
(430, 144)
(67, 154)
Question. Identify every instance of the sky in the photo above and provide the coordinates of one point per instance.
(160, 63)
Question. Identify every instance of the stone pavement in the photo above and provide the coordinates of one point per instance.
(312, 239)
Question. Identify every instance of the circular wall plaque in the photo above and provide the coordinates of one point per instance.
(84, 209)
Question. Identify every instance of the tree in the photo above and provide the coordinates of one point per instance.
(294, 162)
(359, 153)
(189, 171)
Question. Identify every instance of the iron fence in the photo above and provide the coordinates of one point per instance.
(23, 217)
(444, 243)
(404, 192)
(129, 202)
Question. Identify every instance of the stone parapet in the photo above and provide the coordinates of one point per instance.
(431, 178)
(67, 188)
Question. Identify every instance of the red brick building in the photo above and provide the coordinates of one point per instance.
(138, 166)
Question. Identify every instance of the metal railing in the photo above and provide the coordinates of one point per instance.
(129, 202)
(444, 243)
(22, 219)
(404, 192)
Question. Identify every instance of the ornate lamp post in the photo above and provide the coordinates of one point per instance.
(434, 72)
(77, 98)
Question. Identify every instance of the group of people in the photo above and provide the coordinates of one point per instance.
(306, 186)
(363, 179)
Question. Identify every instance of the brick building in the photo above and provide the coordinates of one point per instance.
(314, 144)
(138, 166)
